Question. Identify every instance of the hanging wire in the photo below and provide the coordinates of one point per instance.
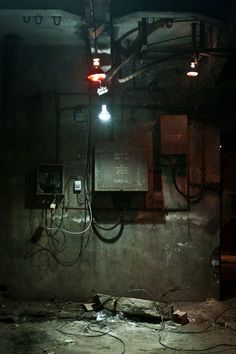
(74, 232)
(93, 25)
(114, 238)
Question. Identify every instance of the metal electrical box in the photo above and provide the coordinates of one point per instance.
(174, 134)
(120, 168)
(49, 180)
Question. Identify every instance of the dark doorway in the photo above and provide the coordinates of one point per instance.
(228, 215)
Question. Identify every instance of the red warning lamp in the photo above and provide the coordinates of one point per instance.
(96, 74)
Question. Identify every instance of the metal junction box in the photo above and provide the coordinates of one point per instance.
(49, 180)
(174, 134)
(120, 168)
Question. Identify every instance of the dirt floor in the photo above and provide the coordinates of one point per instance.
(65, 328)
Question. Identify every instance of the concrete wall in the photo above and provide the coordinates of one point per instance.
(161, 255)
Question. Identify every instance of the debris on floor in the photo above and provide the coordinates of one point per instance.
(134, 307)
(180, 317)
(89, 306)
(31, 331)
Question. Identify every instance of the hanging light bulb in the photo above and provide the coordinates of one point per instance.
(193, 69)
(104, 115)
(96, 74)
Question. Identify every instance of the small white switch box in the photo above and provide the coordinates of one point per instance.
(53, 206)
(77, 186)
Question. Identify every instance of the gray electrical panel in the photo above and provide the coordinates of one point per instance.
(120, 168)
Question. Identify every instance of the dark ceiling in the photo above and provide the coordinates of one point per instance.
(212, 8)
(73, 6)
(160, 63)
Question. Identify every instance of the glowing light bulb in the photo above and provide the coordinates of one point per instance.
(104, 115)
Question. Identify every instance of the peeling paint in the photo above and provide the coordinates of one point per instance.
(80, 220)
(65, 215)
(186, 244)
(199, 220)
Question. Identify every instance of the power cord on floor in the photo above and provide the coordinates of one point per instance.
(161, 330)
(113, 336)
(100, 333)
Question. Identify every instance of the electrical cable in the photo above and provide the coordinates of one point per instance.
(54, 245)
(197, 195)
(82, 237)
(107, 228)
(113, 239)
(148, 66)
(161, 330)
(75, 232)
(197, 350)
(167, 40)
(47, 229)
(113, 336)
(54, 256)
(101, 334)
(120, 66)
(60, 330)
(67, 189)
(53, 253)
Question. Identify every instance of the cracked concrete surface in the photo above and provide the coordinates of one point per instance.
(64, 327)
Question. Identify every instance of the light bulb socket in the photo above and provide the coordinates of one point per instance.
(192, 72)
(96, 74)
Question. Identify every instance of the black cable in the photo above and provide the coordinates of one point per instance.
(202, 330)
(54, 243)
(101, 333)
(107, 228)
(196, 196)
(113, 336)
(54, 256)
(84, 226)
(194, 350)
(67, 190)
(58, 227)
(60, 330)
(113, 239)
(54, 253)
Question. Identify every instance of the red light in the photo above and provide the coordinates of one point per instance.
(96, 74)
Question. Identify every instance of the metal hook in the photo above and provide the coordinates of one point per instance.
(169, 23)
(26, 19)
(56, 20)
(38, 19)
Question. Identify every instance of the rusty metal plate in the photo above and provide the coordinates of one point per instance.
(174, 134)
(120, 168)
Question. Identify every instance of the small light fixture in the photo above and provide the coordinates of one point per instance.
(104, 115)
(193, 69)
(96, 74)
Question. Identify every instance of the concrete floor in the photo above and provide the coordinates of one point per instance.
(64, 328)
